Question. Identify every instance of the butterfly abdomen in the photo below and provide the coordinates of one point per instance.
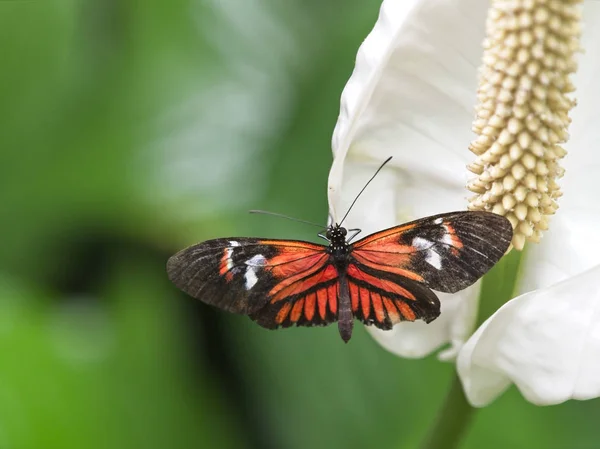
(345, 314)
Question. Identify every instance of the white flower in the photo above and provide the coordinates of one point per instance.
(412, 96)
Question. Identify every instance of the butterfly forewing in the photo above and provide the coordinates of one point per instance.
(446, 252)
(266, 279)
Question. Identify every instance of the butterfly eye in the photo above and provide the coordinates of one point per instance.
(343, 231)
(328, 235)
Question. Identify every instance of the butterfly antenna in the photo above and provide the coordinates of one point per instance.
(363, 189)
(266, 212)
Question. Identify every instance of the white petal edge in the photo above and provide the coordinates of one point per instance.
(572, 243)
(419, 339)
(411, 95)
(546, 342)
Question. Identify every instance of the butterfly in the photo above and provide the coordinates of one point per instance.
(383, 279)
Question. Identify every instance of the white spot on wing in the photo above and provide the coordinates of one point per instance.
(250, 277)
(447, 239)
(438, 221)
(228, 254)
(421, 243)
(253, 265)
(434, 259)
(234, 243)
(256, 261)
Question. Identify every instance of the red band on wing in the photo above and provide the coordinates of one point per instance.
(322, 302)
(391, 310)
(300, 283)
(405, 310)
(303, 310)
(297, 310)
(365, 302)
(290, 269)
(374, 307)
(293, 245)
(309, 306)
(382, 237)
(378, 306)
(226, 264)
(382, 284)
(283, 313)
(387, 261)
(224, 261)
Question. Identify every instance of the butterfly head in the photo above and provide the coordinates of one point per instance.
(338, 246)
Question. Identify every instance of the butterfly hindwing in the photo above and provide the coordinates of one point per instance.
(446, 252)
(317, 306)
(382, 299)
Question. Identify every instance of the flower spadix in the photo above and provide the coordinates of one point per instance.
(523, 111)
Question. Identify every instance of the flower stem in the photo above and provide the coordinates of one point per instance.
(455, 416)
(452, 421)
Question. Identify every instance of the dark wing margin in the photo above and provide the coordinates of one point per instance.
(447, 252)
(243, 275)
(383, 298)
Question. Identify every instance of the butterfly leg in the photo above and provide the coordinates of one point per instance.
(345, 316)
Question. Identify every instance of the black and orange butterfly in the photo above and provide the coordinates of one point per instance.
(381, 280)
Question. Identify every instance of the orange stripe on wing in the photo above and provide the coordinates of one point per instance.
(382, 284)
(292, 244)
(322, 302)
(283, 313)
(405, 310)
(301, 285)
(297, 310)
(365, 302)
(391, 310)
(387, 262)
(309, 306)
(225, 262)
(291, 269)
(378, 306)
(385, 234)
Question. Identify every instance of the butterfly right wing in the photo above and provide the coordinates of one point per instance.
(391, 272)
(275, 282)
(447, 252)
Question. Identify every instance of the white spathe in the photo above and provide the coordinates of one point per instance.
(411, 96)
(546, 342)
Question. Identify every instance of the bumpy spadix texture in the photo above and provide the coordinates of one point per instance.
(522, 111)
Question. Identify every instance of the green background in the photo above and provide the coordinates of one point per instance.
(130, 129)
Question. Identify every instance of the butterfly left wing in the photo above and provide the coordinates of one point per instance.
(446, 252)
(275, 282)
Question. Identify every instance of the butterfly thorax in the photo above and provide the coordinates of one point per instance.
(338, 248)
